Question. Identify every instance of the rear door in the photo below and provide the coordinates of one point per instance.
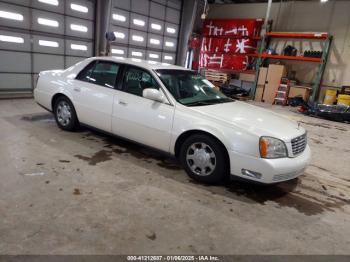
(140, 119)
(93, 92)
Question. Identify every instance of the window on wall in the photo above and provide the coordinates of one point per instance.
(11, 15)
(156, 26)
(104, 74)
(79, 8)
(150, 26)
(119, 35)
(49, 2)
(138, 22)
(118, 51)
(11, 39)
(136, 80)
(171, 30)
(118, 17)
(80, 28)
(137, 38)
(48, 43)
(78, 47)
(47, 22)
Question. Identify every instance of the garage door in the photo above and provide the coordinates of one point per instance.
(146, 29)
(38, 35)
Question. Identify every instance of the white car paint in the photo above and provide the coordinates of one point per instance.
(237, 125)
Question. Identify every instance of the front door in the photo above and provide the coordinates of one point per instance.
(140, 119)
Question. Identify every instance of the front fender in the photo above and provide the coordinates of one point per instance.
(233, 138)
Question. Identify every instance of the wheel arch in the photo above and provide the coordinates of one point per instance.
(56, 96)
(181, 139)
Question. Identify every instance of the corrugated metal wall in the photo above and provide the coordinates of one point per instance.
(38, 35)
(146, 29)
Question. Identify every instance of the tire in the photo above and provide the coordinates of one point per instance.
(65, 115)
(204, 159)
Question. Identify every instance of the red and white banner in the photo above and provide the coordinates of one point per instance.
(232, 27)
(223, 61)
(228, 45)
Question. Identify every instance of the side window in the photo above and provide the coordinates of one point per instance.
(104, 74)
(136, 80)
(84, 74)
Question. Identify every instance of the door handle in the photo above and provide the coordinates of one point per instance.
(122, 103)
(77, 89)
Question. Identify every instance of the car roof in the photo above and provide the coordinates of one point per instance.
(139, 62)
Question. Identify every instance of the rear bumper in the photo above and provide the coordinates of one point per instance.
(269, 170)
(43, 99)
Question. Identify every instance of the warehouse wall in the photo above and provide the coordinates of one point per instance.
(332, 17)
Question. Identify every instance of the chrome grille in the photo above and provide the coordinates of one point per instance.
(299, 144)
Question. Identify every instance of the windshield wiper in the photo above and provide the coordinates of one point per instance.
(198, 103)
(210, 102)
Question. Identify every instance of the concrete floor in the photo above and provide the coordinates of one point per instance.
(87, 193)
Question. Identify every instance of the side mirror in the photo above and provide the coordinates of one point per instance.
(153, 94)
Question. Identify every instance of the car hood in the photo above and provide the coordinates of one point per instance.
(253, 119)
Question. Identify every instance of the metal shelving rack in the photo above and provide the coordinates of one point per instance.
(321, 61)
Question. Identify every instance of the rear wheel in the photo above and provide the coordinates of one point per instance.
(204, 159)
(65, 114)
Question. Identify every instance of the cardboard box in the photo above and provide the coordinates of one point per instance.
(262, 76)
(259, 93)
(303, 91)
(247, 77)
(322, 92)
(275, 73)
(273, 78)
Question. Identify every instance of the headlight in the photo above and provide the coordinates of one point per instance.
(272, 147)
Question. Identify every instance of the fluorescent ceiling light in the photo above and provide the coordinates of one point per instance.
(152, 62)
(153, 55)
(119, 35)
(50, 2)
(119, 17)
(136, 59)
(117, 51)
(324, 1)
(79, 8)
(78, 47)
(138, 22)
(79, 28)
(11, 15)
(171, 30)
(137, 38)
(48, 22)
(156, 26)
(136, 53)
(169, 44)
(154, 41)
(48, 43)
(12, 39)
(168, 57)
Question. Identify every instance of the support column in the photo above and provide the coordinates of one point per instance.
(188, 16)
(103, 12)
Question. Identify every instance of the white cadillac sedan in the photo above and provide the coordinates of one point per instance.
(175, 110)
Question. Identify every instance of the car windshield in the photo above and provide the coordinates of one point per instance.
(191, 89)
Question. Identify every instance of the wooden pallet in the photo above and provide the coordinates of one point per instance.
(216, 76)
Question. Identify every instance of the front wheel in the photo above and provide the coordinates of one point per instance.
(65, 115)
(204, 159)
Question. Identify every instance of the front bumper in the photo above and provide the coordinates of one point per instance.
(271, 170)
